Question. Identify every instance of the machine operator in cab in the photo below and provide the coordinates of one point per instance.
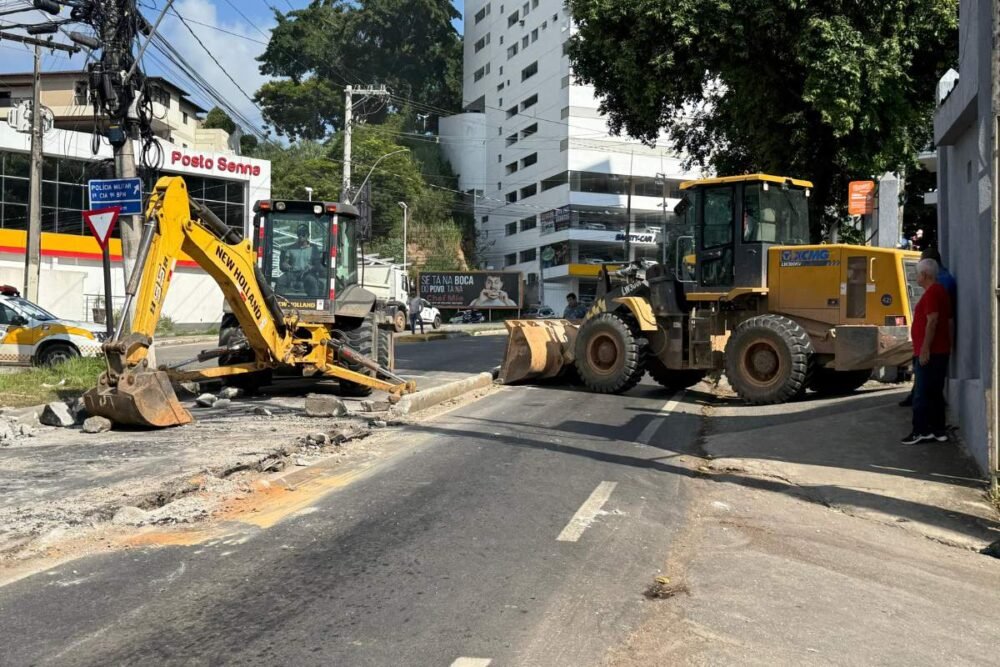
(302, 269)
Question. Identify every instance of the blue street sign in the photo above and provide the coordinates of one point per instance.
(126, 193)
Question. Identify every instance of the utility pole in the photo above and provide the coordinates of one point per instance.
(349, 93)
(33, 256)
(406, 214)
(33, 247)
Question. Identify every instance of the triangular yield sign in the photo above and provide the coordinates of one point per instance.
(101, 222)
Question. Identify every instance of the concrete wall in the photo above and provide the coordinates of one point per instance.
(963, 134)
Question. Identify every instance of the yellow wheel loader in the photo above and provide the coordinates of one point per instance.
(745, 293)
(271, 337)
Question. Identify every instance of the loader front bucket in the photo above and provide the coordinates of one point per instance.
(537, 349)
(139, 398)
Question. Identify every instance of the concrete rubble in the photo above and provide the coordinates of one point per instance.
(96, 425)
(321, 405)
(57, 414)
(206, 400)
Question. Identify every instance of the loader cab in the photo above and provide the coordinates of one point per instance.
(732, 222)
(308, 253)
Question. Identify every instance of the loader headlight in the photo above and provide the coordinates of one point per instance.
(280, 206)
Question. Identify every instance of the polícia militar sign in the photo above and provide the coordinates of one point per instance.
(814, 257)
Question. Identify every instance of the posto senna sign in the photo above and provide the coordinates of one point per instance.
(473, 289)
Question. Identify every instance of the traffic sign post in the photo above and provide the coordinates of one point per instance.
(125, 193)
(101, 223)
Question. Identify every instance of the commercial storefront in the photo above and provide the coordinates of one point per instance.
(72, 283)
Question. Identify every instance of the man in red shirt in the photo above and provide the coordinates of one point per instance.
(931, 333)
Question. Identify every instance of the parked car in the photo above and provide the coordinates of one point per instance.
(429, 314)
(29, 334)
(473, 317)
(459, 317)
(539, 313)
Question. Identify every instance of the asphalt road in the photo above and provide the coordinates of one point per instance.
(520, 530)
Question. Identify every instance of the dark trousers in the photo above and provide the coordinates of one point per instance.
(928, 395)
(413, 323)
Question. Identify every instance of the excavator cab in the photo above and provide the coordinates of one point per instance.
(308, 254)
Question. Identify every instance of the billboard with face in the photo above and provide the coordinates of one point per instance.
(473, 289)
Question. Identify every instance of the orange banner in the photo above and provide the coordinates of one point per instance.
(861, 198)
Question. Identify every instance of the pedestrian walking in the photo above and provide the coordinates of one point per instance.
(416, 306)
(931, 333)
(947, 281)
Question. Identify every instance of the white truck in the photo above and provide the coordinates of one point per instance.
(389, 283)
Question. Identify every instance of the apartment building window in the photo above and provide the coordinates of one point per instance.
(478, 106)
(510, 229)
(481, 72)
(160, 96)
(563, 145)
(500, 87)
(529, 190)
(524, 10)
(482, 13)
(555, 181)
(564, 114)
(512, 139)
(511, 51)
(565, 81)
(80, 97)
(528, 223)
(534, 4)
(529, 71)
(499, 157)
(592, 181)
(529, 102)
(565, 48)
(510, 260)
(524, 42)
(511, 197)
(184, 117)
(511, 112)
(534, 35)
(529, 255)
(483, 42)
(530, 130)
(512, 19)
(511, 168)
(530, 160)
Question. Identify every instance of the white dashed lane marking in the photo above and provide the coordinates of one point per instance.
(472, 662)
(654, 425)
(587, 512)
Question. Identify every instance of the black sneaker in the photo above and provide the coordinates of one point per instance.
(940, 436)
(916, 438)
(907, 402)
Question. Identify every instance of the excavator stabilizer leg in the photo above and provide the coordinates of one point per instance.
(138, 398)
(537, 349)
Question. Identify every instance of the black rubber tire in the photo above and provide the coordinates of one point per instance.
(385, 343)
(436, 324)
(399, 321)
(624, 353)
(54, 354)
(768, 360)
(359, 339)
(230, 333)
(671, 379)
(829, 382)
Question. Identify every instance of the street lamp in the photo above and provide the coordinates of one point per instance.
(372, 170)
(406, 213)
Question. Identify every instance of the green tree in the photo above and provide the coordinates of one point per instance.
(410, 46)
(827, 90)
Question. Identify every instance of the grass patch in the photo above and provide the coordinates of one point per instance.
(65, 381)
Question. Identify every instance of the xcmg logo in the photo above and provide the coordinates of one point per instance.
(805, 258)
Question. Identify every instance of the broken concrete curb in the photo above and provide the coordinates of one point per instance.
(425, 399)
(57, 414)
(447, 335)
(322, 405)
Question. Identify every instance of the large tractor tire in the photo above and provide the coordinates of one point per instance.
(230, 333)
(671, 379)
(768, 359)
(359, 339)
(610, 354)
(399, 321)
(829, 382)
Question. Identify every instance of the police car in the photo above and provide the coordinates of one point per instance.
(32, 335)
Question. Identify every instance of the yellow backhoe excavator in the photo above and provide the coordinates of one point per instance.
(744, 292)
(131, 393)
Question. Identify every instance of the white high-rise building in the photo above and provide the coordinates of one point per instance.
(550, 181)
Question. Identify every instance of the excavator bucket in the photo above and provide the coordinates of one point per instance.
(139, 398)
(538, 349)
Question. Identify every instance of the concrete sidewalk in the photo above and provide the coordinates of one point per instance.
(845, 453)
(815, 538)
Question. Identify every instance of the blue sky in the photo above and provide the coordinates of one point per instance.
(235, 40)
